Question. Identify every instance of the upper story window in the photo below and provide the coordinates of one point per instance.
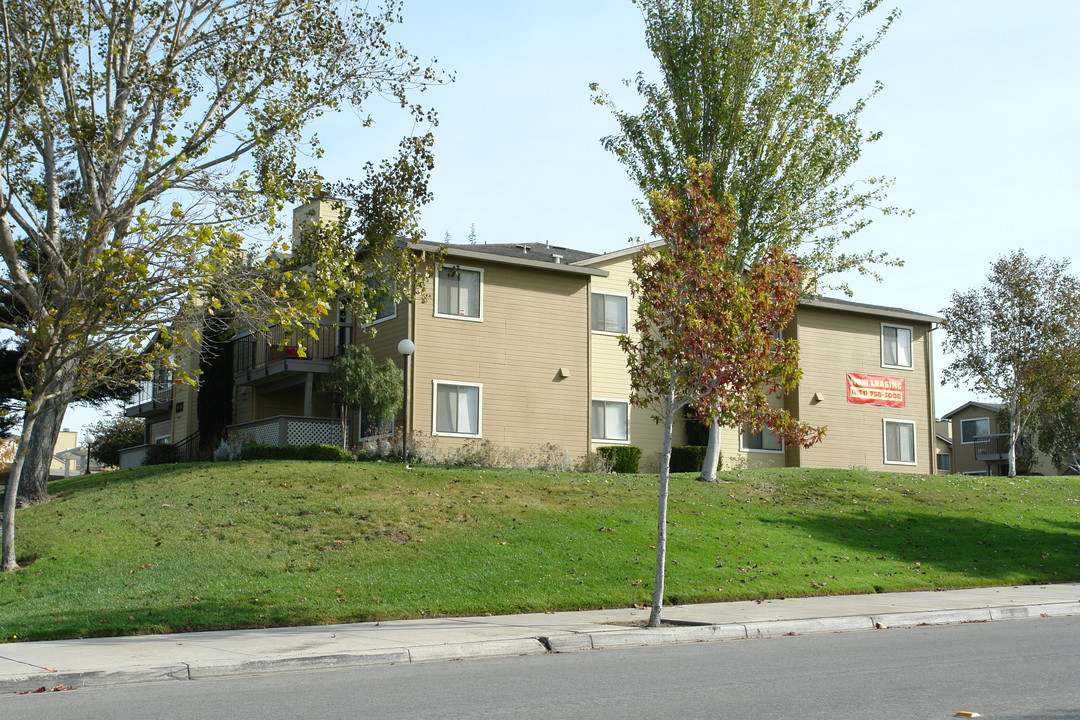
(899, 442)
(896, 346)
(458, 292)
(380, 300)
(974, 428)
(609, 313)
(760, 441)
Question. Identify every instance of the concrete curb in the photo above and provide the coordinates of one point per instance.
(92, 678)
(641, 637)
(561, 641)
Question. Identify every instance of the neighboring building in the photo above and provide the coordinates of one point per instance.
(69, 458)
(980, 446)
(517, 344)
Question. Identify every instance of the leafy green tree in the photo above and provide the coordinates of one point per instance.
(141, 141)
(752, 88)
(1015, 339)
(113, 434)
(707, 333)
(360, 383)
(1057, 434)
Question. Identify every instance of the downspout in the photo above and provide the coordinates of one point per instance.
(931, 386)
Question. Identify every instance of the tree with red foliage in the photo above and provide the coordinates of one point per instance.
(707, 329)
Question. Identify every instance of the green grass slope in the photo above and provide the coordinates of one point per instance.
(256, 544)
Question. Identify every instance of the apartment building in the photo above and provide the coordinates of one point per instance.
(517, 344)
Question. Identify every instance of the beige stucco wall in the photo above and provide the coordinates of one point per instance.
(833, 343)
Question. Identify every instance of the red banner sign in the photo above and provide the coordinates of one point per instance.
(875, 390)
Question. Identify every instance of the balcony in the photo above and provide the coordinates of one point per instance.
(992, 448)
(271, 353)
(155, 396)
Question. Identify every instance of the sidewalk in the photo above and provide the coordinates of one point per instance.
(192, 656)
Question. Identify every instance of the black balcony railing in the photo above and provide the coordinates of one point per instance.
(989, 448)
(275, 350)
(154, 396)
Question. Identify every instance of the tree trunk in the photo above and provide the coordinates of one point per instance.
(7, 560)
(712, 454)
(33, 485)
(662, 503)
(1012, 453)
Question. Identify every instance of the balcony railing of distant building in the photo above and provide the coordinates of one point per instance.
(275, 350)
(992, 448)
(155, 395)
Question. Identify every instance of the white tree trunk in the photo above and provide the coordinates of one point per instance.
(712, 454)
(662, 502)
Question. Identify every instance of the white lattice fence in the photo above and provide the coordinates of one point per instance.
(289, 430)
(307, 432)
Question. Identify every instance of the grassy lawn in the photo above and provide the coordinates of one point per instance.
(254, 544)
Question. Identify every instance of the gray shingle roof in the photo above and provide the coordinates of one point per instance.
(541, 252)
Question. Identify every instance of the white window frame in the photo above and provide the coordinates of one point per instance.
(885, 441)
(480, 291)
(970, 420)
(435, 408)
(393, 311)
(911, 346)
(742, 444)
(626, 315)
(937, 465)
(593, 430)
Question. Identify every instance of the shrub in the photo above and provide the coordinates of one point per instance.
(316, 452)
(592, 463)
(622, 458)
(687, 458)
(112, 435)
(229, 449)
(160, 454)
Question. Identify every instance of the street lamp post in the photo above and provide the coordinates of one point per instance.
(89, 444)
(406, 348)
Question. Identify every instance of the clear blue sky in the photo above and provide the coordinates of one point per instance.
(980, 114)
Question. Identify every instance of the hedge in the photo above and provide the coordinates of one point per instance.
(687, 458)
(621, 458)
(256, 451)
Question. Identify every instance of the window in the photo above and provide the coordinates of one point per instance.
(899, 442)
(759, 441)
(457, 409)
(457, 292)
(610, 420)
(163, 439)
(609, 313)
(896, 346)
(974, 428)
(982, 473)
(345, 327)
(944, 462)
(373, 426)
(381, 301)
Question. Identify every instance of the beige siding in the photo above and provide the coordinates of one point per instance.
(834, 343)
(964, 453)
(608, 373)
(534, 326)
